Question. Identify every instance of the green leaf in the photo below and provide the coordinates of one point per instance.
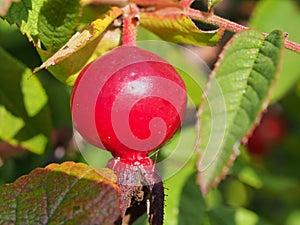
(176, 27)
(293, 218)
(176, 169)
(227, 216)
(57, 21)
(250, 177)
(283, 15)
(237, 93)
(7, 119)
(51, 22)
(34, 96)
(70, 193)
(66, 63)
(25, 118)
(192, 205)
(235, 193)
(58, 101)
(25, 15)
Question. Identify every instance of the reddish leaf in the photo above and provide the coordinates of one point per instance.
(69, 193)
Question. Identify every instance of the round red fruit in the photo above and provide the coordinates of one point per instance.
(129, 102)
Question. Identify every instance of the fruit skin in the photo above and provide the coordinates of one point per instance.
(271, 130)
(129, 101)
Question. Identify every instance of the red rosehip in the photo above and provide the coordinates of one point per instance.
(129, 102)
(268, 133)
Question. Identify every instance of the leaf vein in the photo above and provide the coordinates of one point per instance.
(63, 195)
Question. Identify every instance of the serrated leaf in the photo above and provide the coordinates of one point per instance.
(237, 93)
(212, 3)
(22, 14)
(69, 193)
(49, 22)
(23, 107)
(172, 25)
(71, 57)
(284, 15)
(57, 21)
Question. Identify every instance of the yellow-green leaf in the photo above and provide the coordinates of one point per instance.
(24, 114)
(172, 25)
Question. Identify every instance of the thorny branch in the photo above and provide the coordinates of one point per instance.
(210, 18)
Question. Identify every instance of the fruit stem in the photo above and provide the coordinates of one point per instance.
(130, 24)
(141, 188)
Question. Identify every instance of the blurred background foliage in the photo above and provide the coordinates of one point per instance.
(263, 185)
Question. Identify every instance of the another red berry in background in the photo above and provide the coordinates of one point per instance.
(268, 133)
(129, 102)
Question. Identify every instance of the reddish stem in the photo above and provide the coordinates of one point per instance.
(292, 45)
(130, 24)
(229, 25)
(186, 3)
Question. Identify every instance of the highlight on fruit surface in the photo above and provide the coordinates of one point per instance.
(129, 102)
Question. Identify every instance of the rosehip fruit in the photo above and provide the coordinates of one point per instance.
(268, 133)
(129, 102)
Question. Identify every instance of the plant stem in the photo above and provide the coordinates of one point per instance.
(229, 25)
(186, 3)
(130, 24)
(292, 45)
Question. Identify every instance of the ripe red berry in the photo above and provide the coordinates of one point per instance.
(129, 102)
(268, 133)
